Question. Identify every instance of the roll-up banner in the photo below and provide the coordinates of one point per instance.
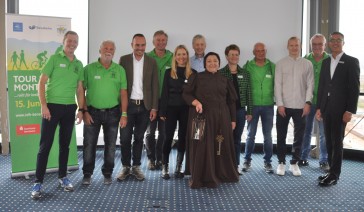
(31, 40)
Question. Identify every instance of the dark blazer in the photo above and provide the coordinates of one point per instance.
(344, 87)
(150, 79)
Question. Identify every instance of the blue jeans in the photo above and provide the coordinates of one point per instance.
(266, 114)
(138, 118)
(64, 116)
(238, 132)
(282, 128)
(109, 120)
(306, 145)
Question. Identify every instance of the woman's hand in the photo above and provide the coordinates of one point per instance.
(233, 125)
(198, 106)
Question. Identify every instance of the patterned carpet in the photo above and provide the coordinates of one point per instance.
(256, 191)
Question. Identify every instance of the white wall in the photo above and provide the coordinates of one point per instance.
(222, 22)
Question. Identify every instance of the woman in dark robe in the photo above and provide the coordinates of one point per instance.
(211, 159)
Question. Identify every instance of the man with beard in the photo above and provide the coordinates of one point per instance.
(105, 83)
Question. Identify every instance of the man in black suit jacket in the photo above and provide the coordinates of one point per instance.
(142, 78)
(337, 100)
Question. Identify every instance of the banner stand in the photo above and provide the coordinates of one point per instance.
(29, 173)
(31, 40)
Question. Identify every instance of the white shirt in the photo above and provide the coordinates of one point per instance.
(334, 63)
(137, 88)
(294, 82)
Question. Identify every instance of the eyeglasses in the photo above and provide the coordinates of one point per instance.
(336, 40)
(317, 44)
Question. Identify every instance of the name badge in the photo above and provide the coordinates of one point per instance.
(342, 62)
(62, 65)
(240, 76)
(167, 67)
(268, 76)
(97, 77)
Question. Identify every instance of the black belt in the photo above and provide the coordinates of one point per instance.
(137, 101)
(104, 109)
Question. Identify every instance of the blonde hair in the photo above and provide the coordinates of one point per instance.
(188, 71)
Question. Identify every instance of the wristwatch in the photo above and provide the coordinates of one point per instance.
(309, 103)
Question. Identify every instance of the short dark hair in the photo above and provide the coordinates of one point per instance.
(337, 33)
(209, 54)
(138, 35)
(231, 47)
(70, 32)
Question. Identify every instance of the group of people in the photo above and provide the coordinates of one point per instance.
(163, 89)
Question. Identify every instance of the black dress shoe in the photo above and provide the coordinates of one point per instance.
(320, 178)
(328, 181)
(303, 163)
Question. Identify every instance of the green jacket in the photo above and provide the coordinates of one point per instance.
(316, 72)
(262, 82)
(163, 64)
(244, 86)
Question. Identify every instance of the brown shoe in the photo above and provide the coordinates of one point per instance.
(125, 172)
(137, 172)
(151, 164)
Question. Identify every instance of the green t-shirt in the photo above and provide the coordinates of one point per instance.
(103, 85)
(63, 77)
(163, 64)
(316, 71)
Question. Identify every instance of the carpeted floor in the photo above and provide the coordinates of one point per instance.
(256, 191)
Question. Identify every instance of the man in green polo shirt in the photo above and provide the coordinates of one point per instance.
(318, 54)
(105, 84)
(163, 57)
(60, 79)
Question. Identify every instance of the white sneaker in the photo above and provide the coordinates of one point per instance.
(295, 169)
(281, 169)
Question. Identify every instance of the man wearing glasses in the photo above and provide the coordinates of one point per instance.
(337, 100)
(318, 54)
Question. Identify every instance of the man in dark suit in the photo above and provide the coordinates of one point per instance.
(337, 100)
(142, 78)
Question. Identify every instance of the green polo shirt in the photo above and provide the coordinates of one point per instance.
(103, 85)
(317, 71)
(163, 64)
(63, 77)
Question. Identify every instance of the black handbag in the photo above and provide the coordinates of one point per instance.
(198, 127)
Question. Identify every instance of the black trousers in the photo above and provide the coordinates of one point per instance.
(282, 128)
(334, 133)
(64, 117)
(174, 114)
